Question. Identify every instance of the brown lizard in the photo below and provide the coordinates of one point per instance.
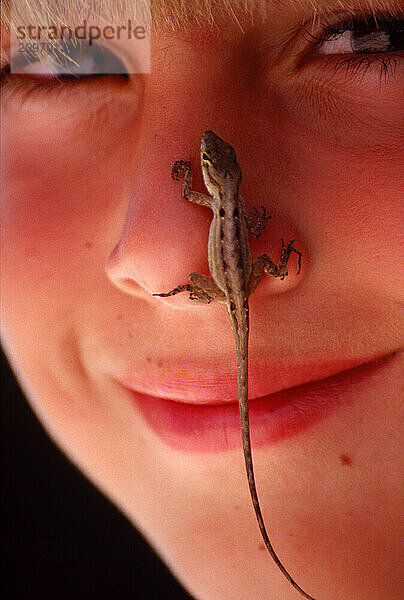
(234, 276)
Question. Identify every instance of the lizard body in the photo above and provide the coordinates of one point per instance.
(234, 276)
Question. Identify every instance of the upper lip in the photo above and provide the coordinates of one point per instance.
(192, 385)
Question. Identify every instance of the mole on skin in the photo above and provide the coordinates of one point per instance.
(345, 460)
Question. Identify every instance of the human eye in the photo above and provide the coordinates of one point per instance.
(70, 59)
(45, 68)
(358, 43)
(345, 81)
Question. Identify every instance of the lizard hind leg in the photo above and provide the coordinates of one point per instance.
(177, 290)
(202, 289)
(264, 264)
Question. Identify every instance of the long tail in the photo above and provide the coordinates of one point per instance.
(241, 337)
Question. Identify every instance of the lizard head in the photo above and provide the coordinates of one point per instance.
(219, 164)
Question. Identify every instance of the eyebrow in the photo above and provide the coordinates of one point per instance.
(176, 13)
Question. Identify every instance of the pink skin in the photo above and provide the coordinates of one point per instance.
(93, 225)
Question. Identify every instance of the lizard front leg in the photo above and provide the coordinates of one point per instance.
(202, 289)
(264, 264)
(183, 167)
(256, 220)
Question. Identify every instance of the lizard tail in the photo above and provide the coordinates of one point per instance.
(241, 338)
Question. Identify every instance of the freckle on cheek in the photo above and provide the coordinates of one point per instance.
(345, 460)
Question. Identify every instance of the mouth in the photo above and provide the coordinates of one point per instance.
(206, 423)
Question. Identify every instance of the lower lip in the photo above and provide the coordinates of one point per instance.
(216, 428)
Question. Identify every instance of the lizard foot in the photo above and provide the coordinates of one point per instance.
(180, 167)
(257, 220)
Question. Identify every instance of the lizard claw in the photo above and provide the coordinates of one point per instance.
(261, 215)
(179, 167)
(264, 214)
(289, 246)
(287, 250)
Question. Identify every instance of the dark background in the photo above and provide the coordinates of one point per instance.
(61, 539)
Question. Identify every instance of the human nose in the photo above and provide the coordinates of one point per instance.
(163, 237)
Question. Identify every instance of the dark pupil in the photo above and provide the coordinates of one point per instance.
(378, 39)
(205, 156)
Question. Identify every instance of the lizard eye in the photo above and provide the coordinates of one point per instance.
(205, 157)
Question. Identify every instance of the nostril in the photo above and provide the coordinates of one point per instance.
(127, 284)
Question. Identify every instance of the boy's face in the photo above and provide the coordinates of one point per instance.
(93, 225)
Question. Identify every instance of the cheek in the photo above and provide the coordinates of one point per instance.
(353, 211)
(347, 206)
(60, 207)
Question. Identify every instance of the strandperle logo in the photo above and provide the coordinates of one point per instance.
(85, 47)
(46, 33)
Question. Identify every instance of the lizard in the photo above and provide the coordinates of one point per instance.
(234, 275)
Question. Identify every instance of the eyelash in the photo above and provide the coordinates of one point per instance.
(377, 21)
(353, 64)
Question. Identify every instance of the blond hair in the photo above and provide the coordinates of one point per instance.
(179, 13)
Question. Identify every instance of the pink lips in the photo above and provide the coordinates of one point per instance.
(206, 418)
